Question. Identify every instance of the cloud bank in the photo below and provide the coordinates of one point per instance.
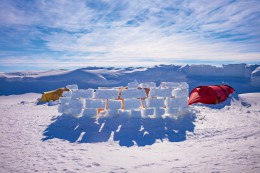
(64, 33)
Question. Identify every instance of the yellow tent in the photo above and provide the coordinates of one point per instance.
(52, 95)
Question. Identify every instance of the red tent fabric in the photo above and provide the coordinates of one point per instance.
(213, 94)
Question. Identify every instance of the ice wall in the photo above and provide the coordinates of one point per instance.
(136, 100)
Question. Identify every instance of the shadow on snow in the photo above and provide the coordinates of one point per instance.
(127, 131)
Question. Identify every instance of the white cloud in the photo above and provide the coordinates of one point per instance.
(161, 31)
(11, 15)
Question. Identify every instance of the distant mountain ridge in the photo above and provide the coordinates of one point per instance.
(243, 77)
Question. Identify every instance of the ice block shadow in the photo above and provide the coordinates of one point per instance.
(128, 131)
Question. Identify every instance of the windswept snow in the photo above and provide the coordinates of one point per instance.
(255, 81)
(209, 138)
(33, 74)
(244, 78)
(219, 138)
(19, 99)
(230, 70)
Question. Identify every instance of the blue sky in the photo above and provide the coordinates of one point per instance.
(50, 34)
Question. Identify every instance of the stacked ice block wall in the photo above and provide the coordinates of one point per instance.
(136, 100)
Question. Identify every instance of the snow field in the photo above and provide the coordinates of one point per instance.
(168, 99)
(243, 77)
(39, 139)
(234, 70)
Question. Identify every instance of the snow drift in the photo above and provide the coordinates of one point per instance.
(244, 78)
(255, 79)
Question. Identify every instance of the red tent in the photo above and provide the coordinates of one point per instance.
(213, 94)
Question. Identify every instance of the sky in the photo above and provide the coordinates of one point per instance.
(51, 34)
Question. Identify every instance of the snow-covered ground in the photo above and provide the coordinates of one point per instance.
(242, 77)
(220, 138)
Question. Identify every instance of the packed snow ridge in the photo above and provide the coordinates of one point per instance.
(136, 101)
(242, 77)
(232, 70)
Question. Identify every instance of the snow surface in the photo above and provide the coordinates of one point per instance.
(255, 79)
(209, 138)
(234, 70)
(244, 78)
(216, 138)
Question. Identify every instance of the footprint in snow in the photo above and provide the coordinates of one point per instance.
(24, 102)
(246, 104)
(95, 164)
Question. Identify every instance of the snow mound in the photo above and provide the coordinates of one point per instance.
(242, 77)
(231, 70)
(255, 80)
(256, 72)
